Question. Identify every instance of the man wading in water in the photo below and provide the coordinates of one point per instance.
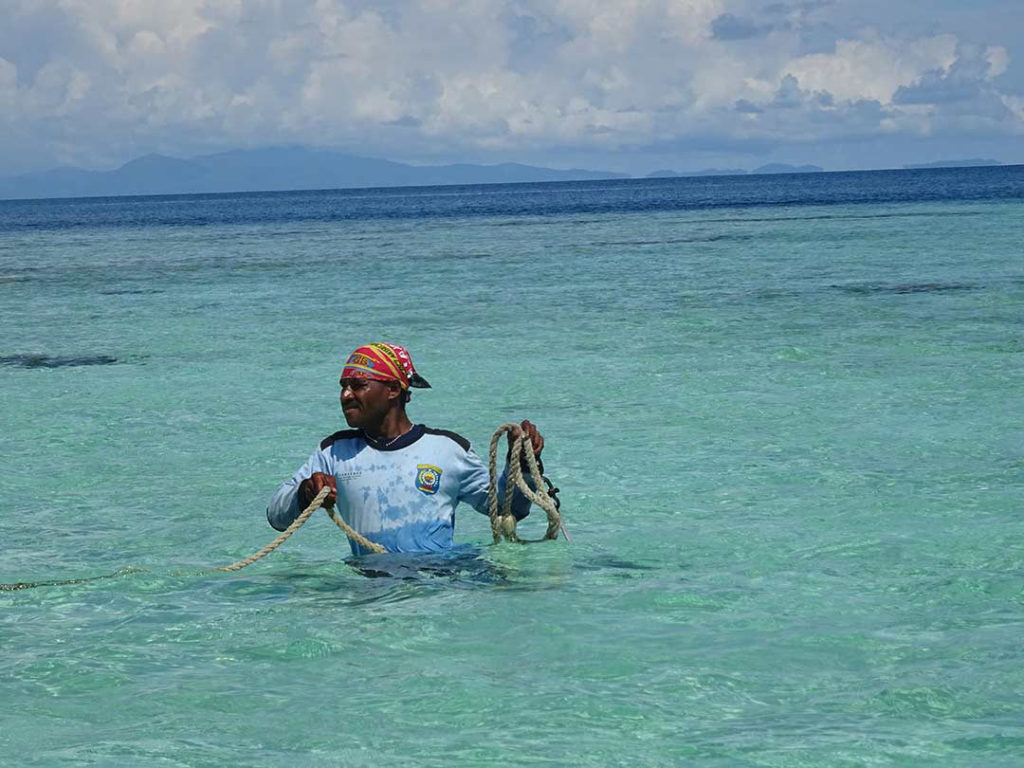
(395, 482)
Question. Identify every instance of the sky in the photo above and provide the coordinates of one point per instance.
(623, 85)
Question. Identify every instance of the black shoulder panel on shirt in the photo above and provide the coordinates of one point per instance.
(344, 434)
(453, 436)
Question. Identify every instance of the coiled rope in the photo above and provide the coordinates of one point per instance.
(503, 522)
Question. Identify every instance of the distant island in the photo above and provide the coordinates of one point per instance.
(705, 172)
(269, 170)
(770, 168)
(974, 162)
(784, 168)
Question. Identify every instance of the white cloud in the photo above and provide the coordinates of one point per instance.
(1016, 105)
(98, 81)
(998, 59)
(872, 68)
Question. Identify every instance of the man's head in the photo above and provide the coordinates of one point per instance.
(376, 380)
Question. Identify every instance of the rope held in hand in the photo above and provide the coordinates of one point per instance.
(304, 515)
(503, 524)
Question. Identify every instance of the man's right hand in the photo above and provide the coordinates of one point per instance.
(311, 486)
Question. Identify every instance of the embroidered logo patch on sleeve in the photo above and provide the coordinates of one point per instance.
(428, 478)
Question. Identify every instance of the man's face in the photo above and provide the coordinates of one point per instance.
(365, 402)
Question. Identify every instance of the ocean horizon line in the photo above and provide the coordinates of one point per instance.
(747, 176)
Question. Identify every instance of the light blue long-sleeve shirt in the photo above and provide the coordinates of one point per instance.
(401, 495)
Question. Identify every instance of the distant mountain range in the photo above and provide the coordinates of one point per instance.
(770, 168)
(275, 169)
(296, 168)
(974, 162)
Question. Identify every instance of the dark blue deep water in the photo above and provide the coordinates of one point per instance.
(527, 200)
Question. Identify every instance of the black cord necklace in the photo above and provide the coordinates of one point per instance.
(382, 443)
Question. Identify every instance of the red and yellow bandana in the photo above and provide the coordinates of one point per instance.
(383, 362)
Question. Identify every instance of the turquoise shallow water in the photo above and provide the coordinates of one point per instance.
(788, 439)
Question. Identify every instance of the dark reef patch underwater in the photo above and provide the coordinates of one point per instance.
(56, 361)
(872, 289)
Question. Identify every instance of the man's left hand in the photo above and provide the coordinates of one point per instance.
(534, 436)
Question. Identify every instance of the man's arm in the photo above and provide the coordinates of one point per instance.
(475, 481)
